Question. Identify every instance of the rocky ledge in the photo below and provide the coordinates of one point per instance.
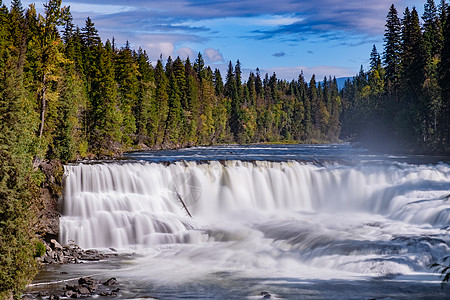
(70, 254)
(83, 288)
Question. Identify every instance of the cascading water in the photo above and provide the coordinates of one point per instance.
(261, 219)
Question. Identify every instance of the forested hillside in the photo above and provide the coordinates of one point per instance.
(402, 102)
(88, 96)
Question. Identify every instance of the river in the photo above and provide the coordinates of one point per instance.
(235, 222)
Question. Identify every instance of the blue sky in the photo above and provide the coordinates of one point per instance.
(325, 37)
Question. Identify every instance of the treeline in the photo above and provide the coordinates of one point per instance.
(402, 102)
(93, 97)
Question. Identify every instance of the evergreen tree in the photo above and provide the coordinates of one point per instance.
(90, 34)
(199, 65)
(444, 119)
(218, 83)
(392, 50)
(106, 119)
(443, 5)
(126, 76)
(17, 184)
(161, 102)
(375, 59)
(432, 31)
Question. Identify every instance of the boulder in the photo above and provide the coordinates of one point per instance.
(55, 245)
(111, 281)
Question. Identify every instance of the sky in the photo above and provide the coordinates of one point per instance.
(321, 37)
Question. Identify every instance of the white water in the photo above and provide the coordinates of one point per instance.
(261, 219)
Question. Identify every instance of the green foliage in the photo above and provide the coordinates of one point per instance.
(17, 188)
(40, 249)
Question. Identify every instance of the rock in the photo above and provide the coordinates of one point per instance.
(86, 280)
(106, 294)
(84, 291)
(111, 281)
(48, 259)
(55, 245)
(70, 294)
(266, 295)
(89, 283)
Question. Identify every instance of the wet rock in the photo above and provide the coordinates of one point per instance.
(89, 283)
(83, 290)
(108, 294)
(266, 295)
(111, 281)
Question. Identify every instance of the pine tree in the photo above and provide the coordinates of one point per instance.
(90, 34)
(432, 31)
(161, 102)
(443, 5)
(375, 59)
(105, 116)
(126, 76)
(392, 50)
(143, 110)
(175, 120)
(218, 83)
(444, 119)
(199, 65)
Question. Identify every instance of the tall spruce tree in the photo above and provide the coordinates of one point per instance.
(444, 118)
(432, 31)
(392, 49)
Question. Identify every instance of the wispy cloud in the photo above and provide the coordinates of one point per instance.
(279, 54)
(185, 27)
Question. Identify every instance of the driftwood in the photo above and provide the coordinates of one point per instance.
(182, 203)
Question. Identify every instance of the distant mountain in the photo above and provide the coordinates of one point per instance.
(340, 81)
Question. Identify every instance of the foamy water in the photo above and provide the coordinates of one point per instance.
(284, 225)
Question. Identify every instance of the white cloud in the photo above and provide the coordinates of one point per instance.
(165, 49)
(213, 55)
(186, 52)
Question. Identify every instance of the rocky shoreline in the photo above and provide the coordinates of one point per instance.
(83, 288)
(70, 254)
(78, 287)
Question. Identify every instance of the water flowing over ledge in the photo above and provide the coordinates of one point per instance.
(288, 219)
(384, 216)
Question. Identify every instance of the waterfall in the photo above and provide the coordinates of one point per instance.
(137, 204)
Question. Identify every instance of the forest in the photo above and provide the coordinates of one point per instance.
(66, 94)
(402, 103)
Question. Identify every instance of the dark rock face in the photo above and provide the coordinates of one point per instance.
(50, 193)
